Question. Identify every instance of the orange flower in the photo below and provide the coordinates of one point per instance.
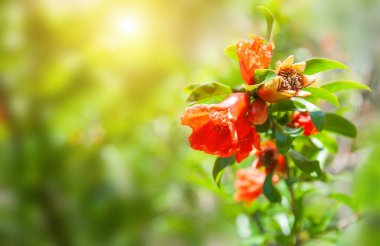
(288, 83)
(258, 112)
(303, 119)
(222, 129)
(269, 158)
(252, 56)
(249, 184)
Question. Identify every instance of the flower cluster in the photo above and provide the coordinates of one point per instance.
(228, 128)
(262, 117)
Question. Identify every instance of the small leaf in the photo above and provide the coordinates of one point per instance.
(251, 87)
(338, 124)
(270, 191)
(263, 75)
(316, 114)
(341, 85)
(283, 140)
(317, 65)
(220, 164)
(270, 21)
(212, 92)
(304, 164)
(323, 94)
(230, 52)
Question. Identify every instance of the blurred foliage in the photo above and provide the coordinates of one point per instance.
(91, 147)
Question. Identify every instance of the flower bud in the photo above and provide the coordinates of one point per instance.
(258, 112)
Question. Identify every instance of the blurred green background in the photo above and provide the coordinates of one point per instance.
(91, 147)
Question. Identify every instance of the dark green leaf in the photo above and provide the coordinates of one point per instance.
(283, 140)
(341, 85)
(212, 92)
(316, 114)
(340, 125)
(324, 94)
(264, 127)
(293, 132)
(230, 52)
(284, 106)
(304, 164)
(317, 65)
(270, 20)
(263, 75)
(219, 166)
(270, 191)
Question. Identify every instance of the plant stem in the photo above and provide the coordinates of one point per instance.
(295, 210)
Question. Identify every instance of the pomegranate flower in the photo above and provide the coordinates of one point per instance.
(252, 56)
(249, 184)
(303, 119)
(222, 129)
(269, 158)
(288, 83)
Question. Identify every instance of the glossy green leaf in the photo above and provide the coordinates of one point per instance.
(304, 164)
(270, 191)
(284, 140)
(263, 75)
(323, 94)
(270, 21)
(293, 132)
(230, 52)
(341, 85)
(338, 124)
(212, 92)
(317, 65)
(219, 166)
(316, 114)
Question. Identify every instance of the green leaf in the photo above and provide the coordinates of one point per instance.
(270, 191)
(323, 94)
(190, 87)
(212, 92)
(293, 132)
(341, 85)
(270, 21)
(231, 52)
(283, 106)
(219, 166)
(264, 127)
(317, 65)
(316, 114)
(263, 75)
(305, 165)
(326, 140)
(344, 198)
(283, 140)
(338, 124)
